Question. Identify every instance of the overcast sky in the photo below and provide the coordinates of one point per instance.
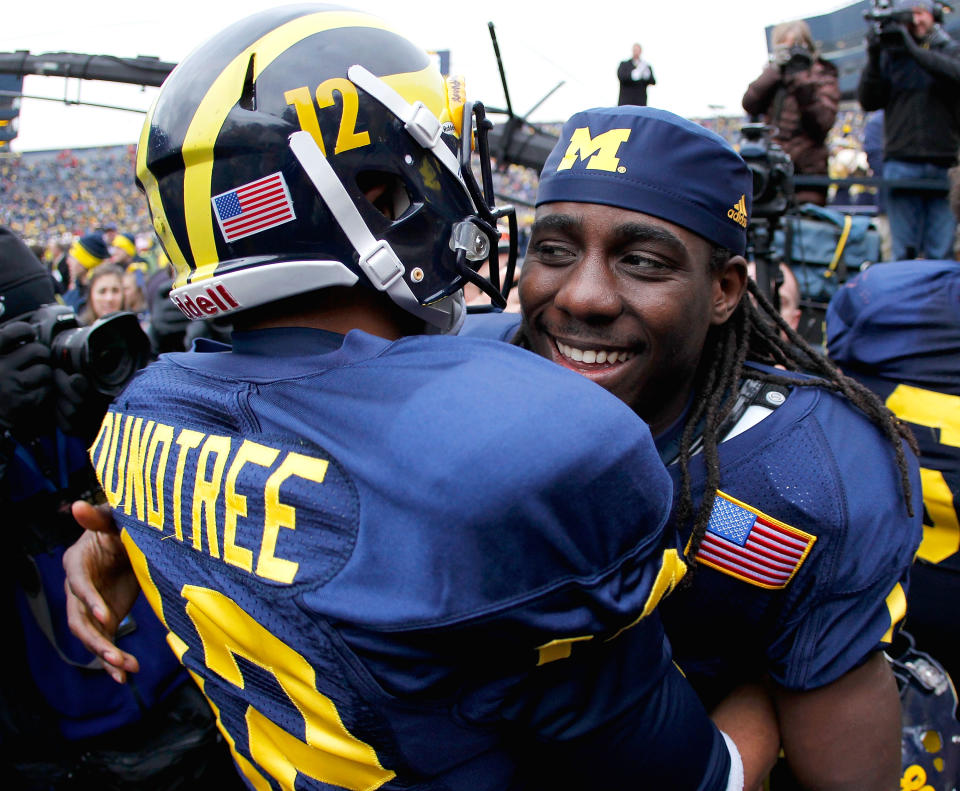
(703, 52)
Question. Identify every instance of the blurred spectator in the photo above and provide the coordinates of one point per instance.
(134, 289)
(797, 93)
(847, 161)
(123, 249)
(149, 251)
(872, 137)
(109, 233)
(913, 73)
(787, 293)
(104, 293)
(635, 76)
(168, 326)
(85, 253)
(56, 261)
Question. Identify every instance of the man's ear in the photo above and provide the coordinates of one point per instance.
(728, 287)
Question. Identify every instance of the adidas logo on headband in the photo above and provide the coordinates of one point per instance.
(739, 212)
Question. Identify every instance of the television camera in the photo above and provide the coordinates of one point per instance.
(773, 194)
(887, 20)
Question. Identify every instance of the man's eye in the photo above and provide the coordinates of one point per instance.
(643, 262)
(550, 252)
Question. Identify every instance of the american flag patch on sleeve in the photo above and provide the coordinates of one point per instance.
(254, 207)
(747, 544)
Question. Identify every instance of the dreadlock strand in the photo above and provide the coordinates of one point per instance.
(756, 330)
(718, 403)
(685, 501)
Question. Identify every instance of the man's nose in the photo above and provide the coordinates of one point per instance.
(590, 291)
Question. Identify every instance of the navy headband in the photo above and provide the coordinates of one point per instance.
(651, 161)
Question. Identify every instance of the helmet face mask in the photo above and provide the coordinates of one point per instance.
(930, 735)
(230, 161)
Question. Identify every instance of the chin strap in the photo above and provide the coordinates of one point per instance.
(381, 265)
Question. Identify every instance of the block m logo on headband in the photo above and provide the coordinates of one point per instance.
(599, 153)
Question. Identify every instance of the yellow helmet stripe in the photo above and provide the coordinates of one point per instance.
(212, 113)
(414, 85)
(160, 223)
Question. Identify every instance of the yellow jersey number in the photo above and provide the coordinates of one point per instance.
(329, 753)
(942, 412)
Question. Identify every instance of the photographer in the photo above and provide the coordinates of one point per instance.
(63, 723)
(913, 73)
(797, 94)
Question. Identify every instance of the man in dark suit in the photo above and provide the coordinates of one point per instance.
(634, 75)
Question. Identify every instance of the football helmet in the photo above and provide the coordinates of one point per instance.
(312, 146)
(930, 735)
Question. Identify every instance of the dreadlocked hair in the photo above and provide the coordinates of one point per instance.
(756, 331)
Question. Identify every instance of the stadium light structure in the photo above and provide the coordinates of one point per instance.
(142, 70)
(10, 91)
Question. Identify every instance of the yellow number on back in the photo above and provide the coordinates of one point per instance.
(330, 754)
(939, 411)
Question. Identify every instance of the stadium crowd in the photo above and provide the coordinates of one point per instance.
(50, 198)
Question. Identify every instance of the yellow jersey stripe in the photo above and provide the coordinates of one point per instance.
(897, 606)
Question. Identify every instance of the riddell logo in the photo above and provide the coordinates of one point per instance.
(739, 212)
(212, 301)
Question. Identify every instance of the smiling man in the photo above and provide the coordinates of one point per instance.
(797, 504)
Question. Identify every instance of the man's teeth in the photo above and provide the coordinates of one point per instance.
(591, 356)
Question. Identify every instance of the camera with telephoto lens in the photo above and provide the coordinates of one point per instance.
(108, 352)
(793, 59)
(772, 171)
(886, 21)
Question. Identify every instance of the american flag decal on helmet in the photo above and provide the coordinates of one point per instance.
(747, 544)
(254, 207)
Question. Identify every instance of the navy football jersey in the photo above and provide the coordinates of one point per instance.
(428, 563)
(896, 328)
(493, 326)
(804, 568)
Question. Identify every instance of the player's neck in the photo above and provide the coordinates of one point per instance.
(339, 310)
